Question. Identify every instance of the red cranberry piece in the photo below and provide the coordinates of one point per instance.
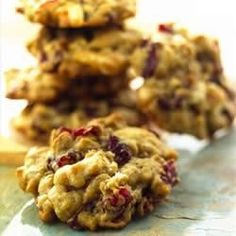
(164, 104)
(121, 198)
(67, 159)
(113, 142)
(121, 150)
(93, 130)
(148, 204)
(113, 200)
(165, 28)
(151, 61)
(170, 175)
(126, 194)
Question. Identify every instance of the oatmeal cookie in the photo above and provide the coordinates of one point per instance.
(175, 51)
(35, 85)
(184, 89)
(188, 105)
(72, 52)
(77, 14)
(37, 120)
(100, 175)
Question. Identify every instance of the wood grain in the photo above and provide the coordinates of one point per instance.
(11, 153)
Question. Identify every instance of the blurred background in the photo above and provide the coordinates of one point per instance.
(215, 18)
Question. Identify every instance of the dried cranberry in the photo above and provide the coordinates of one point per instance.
(177, 102)
(165, 28)
(148, 204)
(93, 130)
(164, 104)
(126, 194)
(113, 200)
(121, 150)
(120, 198)
(67, 159)
(151, 61)
(169, 176)
(112, 142)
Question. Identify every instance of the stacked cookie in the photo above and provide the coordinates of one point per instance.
(83, 51)
(185, 89)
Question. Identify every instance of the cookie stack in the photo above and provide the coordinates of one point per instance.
(83, 51)
(87, 56)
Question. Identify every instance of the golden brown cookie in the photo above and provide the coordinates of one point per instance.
(77, 13)
(100, 175)
(184, 90)
(74, 53)
(35, 85)
(37, 120)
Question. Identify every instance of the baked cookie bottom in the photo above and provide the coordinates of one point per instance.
(77, 14)
(100, 175)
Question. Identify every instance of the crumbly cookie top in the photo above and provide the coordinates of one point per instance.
(77, 13)
(99, 175)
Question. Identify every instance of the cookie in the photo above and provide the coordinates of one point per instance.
(35, 85)
(74, 53)
(187, 105)
(37, 120)
(100, 175)
(185, 90)
(77, 14)
(176, 51)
